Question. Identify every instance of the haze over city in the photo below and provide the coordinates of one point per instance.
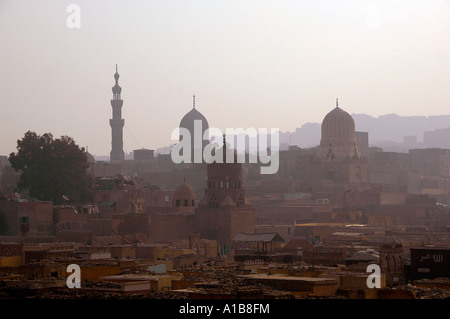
(110, 189)
(250, 64)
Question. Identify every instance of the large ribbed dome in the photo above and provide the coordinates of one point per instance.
(338, 123)
(338, 136)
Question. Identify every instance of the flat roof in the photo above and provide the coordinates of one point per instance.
(431, 248)
(321, 224)
(258, 237)
(286, 277)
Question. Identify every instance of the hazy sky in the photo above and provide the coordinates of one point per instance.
(250, 63)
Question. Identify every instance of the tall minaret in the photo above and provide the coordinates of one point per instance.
(117, 155)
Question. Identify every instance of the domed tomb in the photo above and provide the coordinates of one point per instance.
(188, 122)
(338, 136)
(184, 196)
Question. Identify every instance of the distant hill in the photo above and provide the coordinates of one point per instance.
(392, 127)
(387, 130)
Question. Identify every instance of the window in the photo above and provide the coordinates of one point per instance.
(178, 202)
(186, 202)
(240, 201)
(23, 219)
(213, 202)
(166, 198)
(155, 199)
(193, 202)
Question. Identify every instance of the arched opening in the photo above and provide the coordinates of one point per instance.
(387, 264)
(394, 264)
(213, 202)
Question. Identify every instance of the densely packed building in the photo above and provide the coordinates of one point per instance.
(192, 230)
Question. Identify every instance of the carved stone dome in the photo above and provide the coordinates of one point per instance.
(338, 136)
(338, 124)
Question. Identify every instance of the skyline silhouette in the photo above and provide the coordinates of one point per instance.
(252, 64)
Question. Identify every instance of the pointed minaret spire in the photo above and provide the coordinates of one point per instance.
(193, 102)
(116, 88)
(337, 102)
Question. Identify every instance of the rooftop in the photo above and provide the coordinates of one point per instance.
(243, 237)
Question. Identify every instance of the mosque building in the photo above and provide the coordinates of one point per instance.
(224, 212)
(339, 157)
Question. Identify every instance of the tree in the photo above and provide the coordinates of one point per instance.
(53, 169)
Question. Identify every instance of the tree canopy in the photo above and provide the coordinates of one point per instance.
(53, 169)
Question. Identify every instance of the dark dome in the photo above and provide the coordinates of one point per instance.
(338, 123)
(188, 120)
